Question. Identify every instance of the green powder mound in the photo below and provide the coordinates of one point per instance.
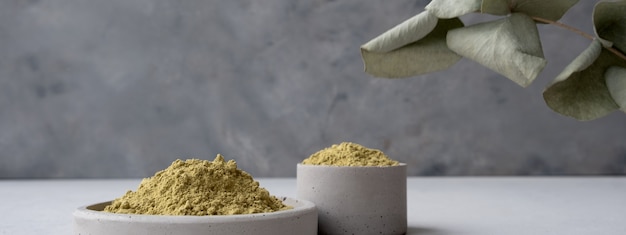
(349, 154)
(198, 187)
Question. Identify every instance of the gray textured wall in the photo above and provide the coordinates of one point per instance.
(120, 88)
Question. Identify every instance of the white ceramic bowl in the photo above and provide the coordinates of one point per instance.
(302, 219)
(356, 200)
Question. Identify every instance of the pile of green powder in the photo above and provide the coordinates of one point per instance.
(198, 187)
(349, 154)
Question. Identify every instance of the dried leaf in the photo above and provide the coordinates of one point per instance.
(446, 9)
(496, 7)
(616, 82)
(582, 61)
(546, 9)
(402, 34)
(609, 20)
(427, 55)
(509, 46)
(550, 10)
(580, 91)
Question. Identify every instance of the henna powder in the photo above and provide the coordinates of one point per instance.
(349, 154)
(198, 187)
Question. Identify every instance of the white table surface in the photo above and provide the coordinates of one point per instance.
(436, 206)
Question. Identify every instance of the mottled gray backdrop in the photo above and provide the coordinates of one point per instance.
(121, 88)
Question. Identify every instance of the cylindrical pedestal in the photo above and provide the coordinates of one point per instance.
(356, 200)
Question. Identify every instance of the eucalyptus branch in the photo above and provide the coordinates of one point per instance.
(580, 32)
(570, 28)
(594, 78)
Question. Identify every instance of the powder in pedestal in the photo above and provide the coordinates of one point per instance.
(349, 154)
(198, 187)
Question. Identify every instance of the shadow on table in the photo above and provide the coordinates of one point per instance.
(425, 231)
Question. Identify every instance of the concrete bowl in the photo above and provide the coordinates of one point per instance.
(302, 219)
(356, 199)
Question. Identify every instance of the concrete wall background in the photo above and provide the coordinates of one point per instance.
(121, 88)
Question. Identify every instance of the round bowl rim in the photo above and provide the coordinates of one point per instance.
(300, 207)
(401, 164)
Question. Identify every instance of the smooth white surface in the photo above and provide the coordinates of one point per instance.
(436, 206)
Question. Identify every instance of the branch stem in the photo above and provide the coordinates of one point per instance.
(575, 30)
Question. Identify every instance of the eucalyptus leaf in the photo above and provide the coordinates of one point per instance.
(446, 9)
(496, 7)
(509, 46)
(609, 21)
(546, 9)
(411, 30)
(427, 55)
(584, 94)
(582, 61)
(616, 82)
